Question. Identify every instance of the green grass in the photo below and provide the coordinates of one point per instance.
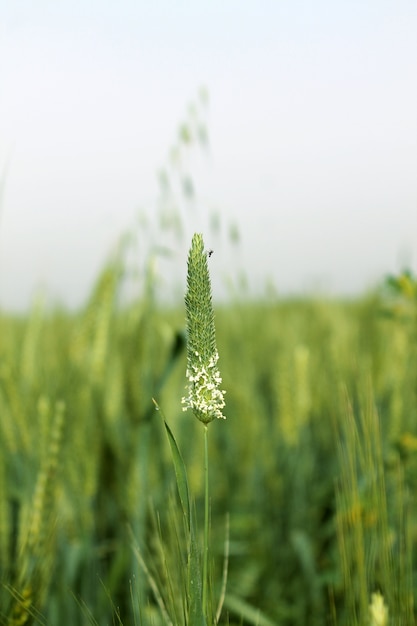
(313, 475)
(316, 464)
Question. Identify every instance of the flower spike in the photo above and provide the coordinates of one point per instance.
(205, 397)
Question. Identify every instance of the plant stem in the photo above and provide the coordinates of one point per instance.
(206, 524)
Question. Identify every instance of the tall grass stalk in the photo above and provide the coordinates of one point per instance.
(206, 400)
(206, 520)
(205, 397)
(372, 524)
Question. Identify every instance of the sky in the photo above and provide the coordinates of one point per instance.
(311, 121)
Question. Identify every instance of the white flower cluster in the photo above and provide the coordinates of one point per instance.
(205, 397)
(378, 610)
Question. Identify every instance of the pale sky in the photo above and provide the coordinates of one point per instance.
(312, 124)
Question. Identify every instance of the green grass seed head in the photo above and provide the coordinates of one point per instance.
(378, 611)
(205, 397)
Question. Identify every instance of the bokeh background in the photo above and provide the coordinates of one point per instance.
(285, 132)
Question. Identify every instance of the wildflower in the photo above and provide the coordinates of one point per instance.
(378, 611)
(205, 397)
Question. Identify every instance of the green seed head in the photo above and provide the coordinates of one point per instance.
(205, 397)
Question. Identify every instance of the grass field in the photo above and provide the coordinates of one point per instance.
(314, 470)
(313, 474)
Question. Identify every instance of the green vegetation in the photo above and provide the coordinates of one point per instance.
(103, 509)
(316, 464)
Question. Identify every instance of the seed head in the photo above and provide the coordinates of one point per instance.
(205, 397)
(378, 611)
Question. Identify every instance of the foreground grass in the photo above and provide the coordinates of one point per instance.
(317, 466)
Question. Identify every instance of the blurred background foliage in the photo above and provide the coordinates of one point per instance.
(316, 464)
(321, 401)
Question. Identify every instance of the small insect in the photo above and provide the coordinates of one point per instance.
(209, 253)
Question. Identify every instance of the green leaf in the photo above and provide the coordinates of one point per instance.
(196, 613)
(194, 592)
(181, 476)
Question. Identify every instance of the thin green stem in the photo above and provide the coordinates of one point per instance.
(206, 524)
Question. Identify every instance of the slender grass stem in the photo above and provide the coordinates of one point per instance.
(206, 522)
